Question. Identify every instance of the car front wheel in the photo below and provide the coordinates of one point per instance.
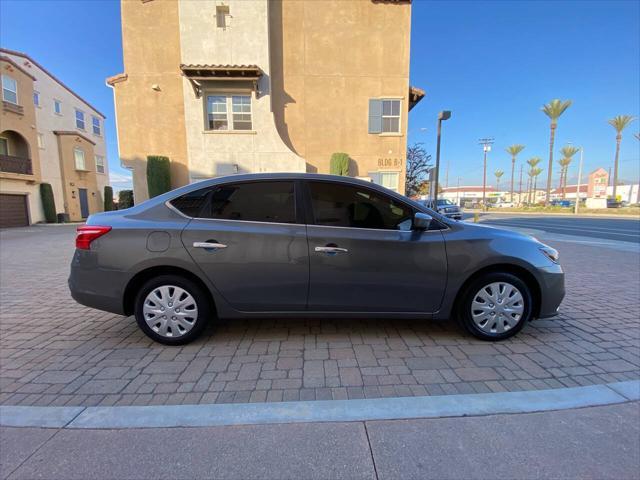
(495, 306)
(172, 310)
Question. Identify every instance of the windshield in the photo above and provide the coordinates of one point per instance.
(444, 201)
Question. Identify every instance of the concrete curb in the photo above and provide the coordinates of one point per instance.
(319, 411)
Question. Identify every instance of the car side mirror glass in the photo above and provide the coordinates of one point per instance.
(421, 221)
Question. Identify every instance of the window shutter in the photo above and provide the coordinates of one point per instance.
(375, 115)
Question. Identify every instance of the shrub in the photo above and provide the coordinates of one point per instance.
(340, 164)
(125, 199)
(158, 175)
(48, 203)
(108, 199)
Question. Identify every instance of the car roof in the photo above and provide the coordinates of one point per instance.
(246, 177)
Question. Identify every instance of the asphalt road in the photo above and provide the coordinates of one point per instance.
(623, 230)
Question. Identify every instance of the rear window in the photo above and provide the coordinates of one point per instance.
(252, 202)
(192, 203)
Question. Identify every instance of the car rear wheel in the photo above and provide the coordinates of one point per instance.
(172, 310)
(495, 306)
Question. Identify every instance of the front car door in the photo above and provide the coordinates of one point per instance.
(247, 239)
(364, 256)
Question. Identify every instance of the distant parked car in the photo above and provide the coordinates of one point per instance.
(274, 246)
(501, 204)
(445, 207)
(613, 203)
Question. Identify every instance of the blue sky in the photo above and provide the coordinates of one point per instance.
(494, 64)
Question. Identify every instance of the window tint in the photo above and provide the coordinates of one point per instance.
(344, 206)
(256, 201)
(192, 203)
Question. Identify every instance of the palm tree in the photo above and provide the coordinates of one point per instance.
(568, 151)
(498, 174)
(535, 172)
(564, 166)
(553, 110)
(533, 161)
(619, 123)
(513, 150)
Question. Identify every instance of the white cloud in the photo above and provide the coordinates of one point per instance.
(120, 181)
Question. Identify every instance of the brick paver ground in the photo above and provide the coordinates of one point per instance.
(56, 352)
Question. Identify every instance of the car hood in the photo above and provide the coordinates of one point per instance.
(489, 231)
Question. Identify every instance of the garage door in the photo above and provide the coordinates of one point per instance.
(13, 211)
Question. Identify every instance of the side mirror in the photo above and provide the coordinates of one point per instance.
(421, 221)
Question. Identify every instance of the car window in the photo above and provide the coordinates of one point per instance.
(191, 204)
(346, 206)
(254, 201)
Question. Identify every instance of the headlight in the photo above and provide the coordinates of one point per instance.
(551, 253)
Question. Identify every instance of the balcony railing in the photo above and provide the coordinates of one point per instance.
(11, 164)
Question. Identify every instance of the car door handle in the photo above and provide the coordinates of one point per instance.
(208, 245)
(331, 250)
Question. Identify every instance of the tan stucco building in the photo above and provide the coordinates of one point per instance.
(48, 134)
(235, 86)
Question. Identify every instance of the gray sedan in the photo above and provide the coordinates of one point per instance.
(302, 245)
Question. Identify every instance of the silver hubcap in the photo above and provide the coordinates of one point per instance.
(170, 311)
(497, 307)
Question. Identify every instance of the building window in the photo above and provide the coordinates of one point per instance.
(40, 140)
(99, 164)
(241, 105)
(96, 125)
(36, 99)
(57, 107)
(388, 180)
(221, 16)
(9, 89)
(391, 116)
(229, 112)
(78, 155)
(4, 146)
(384, 115)
(217, 112)
(79, 119)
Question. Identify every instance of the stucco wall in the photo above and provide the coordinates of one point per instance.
(328, 59)
(73, 179)
(245, 41)
(149, 103)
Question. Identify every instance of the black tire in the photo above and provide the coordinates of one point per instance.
(202, 302)
(467, 297)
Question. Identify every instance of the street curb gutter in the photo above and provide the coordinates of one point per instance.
(395, 408)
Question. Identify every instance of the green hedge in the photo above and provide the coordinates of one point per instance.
(48, 203)
(125, 199)
(108, 199)
(340, 164)
(158, 175)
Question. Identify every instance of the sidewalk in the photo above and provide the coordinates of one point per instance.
(597, 442)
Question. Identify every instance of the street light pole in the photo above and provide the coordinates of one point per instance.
(443, 115)
(579, 182)
(486, 147)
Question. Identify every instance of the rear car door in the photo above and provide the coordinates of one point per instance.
(248, 241)
(364, 256)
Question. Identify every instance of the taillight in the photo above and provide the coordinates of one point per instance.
(87, 234)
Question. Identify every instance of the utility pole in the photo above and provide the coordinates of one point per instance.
(443, 115)
(520, 189)
(458, 193)
(486, 147)
(579, 182)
